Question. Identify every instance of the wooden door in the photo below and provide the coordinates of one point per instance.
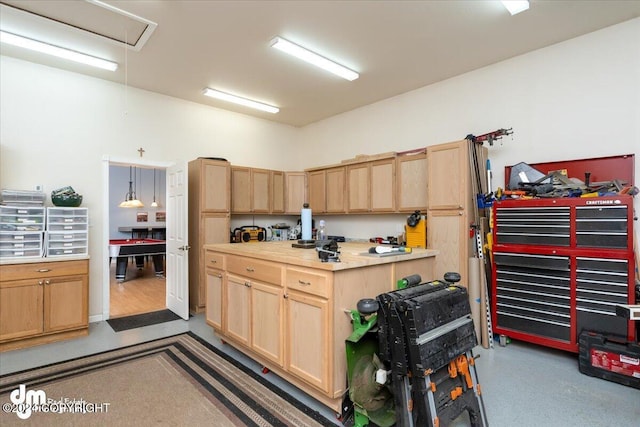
(317, 191)
(267, 321)
(382, 185)
(295, 191)
(448, 232)
(214, 187)
(448, 173)
(277, 192)
(240, 189)
(358, 187)
(307, 343)
(214, 298)
(21, 308)
(238, 303)
(260, 190)
(335, 190)
(412, 182)
(66, 303)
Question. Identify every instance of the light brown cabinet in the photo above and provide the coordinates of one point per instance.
(327, 190)
(371, 186)
(296, 191)
(451, 206)
(254, 292)
(209, 204)
(43, 302)
(412, 182)
(215, 309)
(250, 190)
(277, 192)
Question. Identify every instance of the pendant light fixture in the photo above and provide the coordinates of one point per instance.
(130, 199)
(154, 204)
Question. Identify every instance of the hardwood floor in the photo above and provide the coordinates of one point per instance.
(141, 292)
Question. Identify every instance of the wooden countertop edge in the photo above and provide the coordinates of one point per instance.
(284, 253)
(35, 260)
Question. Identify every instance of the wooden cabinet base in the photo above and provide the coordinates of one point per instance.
(334, 403)
(42, 339)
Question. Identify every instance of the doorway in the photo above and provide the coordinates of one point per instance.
(142, 287)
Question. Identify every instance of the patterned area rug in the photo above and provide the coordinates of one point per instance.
(175, 381)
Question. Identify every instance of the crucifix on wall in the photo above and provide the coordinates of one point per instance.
(141, 151)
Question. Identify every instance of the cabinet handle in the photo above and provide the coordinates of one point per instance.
(247, 284)
(250, 269)
(285, 296)
(304, 283)
(219, 276)
(47, 282)
(43, 270)
(213, 261)
(40, 282)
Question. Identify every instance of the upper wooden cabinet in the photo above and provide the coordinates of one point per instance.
(448, 175)
(250, 190)
(327, 190)
(277, 192)
(371, 186)
(295, 191)
(412, 182)
(209, 181)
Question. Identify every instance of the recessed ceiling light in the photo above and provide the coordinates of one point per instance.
(313, 58)
(60, 52)
(516, 6)
(239, 100)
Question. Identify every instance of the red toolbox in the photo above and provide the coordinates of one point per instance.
(611, 358)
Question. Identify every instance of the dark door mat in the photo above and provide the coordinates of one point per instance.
(120, 324)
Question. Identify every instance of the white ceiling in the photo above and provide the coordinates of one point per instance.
(396, 46)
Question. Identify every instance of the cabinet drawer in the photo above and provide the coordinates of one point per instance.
(43, 269)
(213, 259)
(309, 281)
(263, 271)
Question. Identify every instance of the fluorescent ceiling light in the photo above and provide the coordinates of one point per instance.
(60, 52)
(516, 6)
(239, 100)
(313, 58)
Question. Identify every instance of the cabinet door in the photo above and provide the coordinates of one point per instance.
(215, 186)
(358, 187)
(295, 192)
(317, 191)
(307, 345)
(412, 182)
(382, 185)
(240, 189)
(277, 192)
(66, 303)
(448, 232)
(260, 190)
(335, 189)
(266, 321)
(238, 300)
(21, 308)
(214, 298)
(448, 175)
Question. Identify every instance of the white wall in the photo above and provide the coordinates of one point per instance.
(577, 99)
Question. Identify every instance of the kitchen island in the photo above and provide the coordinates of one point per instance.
(289, 311)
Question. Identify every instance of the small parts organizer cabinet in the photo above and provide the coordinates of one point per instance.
(561, 266)
(67, 231)
(21, 231)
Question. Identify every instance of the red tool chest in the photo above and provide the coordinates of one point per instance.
(560, 266)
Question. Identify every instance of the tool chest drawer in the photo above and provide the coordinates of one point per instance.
(534, 226)
(534, 294)
(602, 226)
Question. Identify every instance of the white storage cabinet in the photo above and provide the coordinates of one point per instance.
(67, 231)
(21, 231)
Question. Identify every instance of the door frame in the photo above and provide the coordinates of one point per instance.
(108, 161)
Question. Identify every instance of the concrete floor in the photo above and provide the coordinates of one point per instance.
(523, 385)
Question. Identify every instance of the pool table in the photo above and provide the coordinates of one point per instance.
(122, 249)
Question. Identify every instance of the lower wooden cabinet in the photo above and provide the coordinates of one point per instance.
(42, 302)
(214, 297)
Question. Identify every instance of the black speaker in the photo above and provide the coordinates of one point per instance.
(413, 219)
